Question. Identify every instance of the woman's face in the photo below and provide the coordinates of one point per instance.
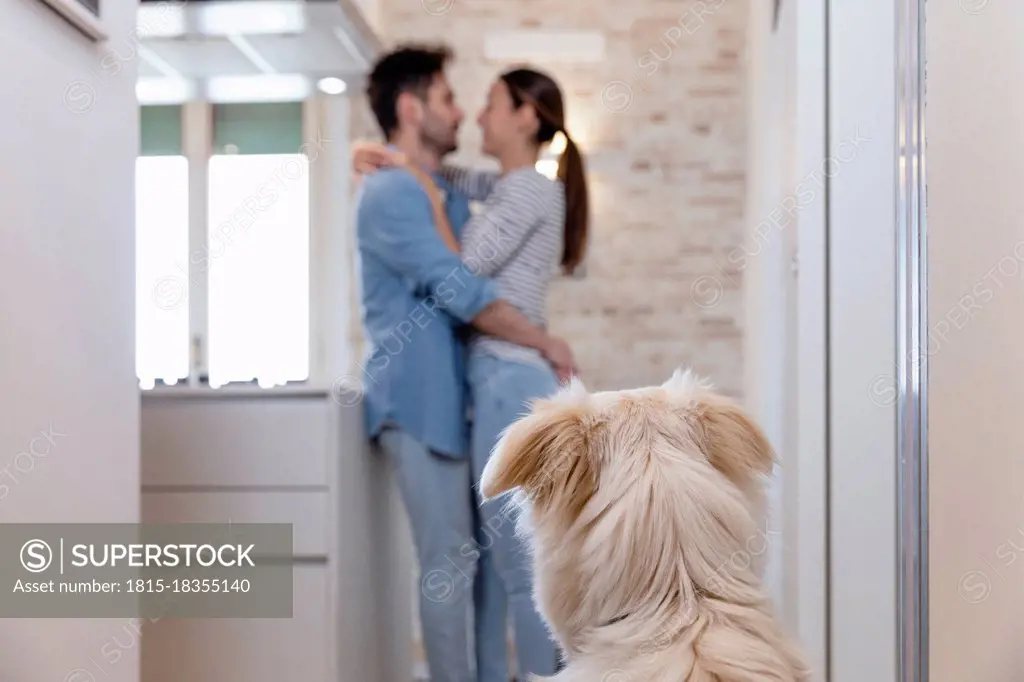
(501, 123)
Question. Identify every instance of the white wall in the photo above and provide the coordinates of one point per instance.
(805, 570)
(975, 164)
(371, 10)
(763, 257)
(67, 306)
(862, 342)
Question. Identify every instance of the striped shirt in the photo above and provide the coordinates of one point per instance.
(515, 239)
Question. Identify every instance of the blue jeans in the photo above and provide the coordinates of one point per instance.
(502, 390)
(438, 497)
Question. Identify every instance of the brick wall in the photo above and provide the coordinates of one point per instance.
(662, 120)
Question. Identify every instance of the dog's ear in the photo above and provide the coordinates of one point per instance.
(730, 439)
(733, 443)
(543, 448)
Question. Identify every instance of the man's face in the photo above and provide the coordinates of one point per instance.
(439, 125)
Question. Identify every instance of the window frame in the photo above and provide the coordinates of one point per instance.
(325, 122)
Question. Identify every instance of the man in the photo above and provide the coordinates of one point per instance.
(417, 296)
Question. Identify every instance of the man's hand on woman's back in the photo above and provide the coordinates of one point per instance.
(559, 354)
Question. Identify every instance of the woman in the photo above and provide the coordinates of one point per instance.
(528, 227)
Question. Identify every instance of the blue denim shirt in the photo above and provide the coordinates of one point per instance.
(417, 295)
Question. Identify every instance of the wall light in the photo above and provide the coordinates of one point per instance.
(331, 86)
(548, 168)
(161, 90)
(251, 17)
(161, 21)
(260, 88)
(557, 145)
(547, 165)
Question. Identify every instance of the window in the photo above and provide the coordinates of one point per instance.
(161, 249)
(258, 245)
(223, 284)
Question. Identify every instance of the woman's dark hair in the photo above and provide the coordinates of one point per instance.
(539, 90)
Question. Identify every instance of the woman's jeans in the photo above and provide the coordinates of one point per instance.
(502, 390)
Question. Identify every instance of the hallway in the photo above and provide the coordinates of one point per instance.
(184, 302)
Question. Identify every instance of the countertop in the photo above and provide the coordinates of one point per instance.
(185, 392)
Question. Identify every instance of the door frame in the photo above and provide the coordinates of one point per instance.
(854, 491)
(912, 347)
(784, 270)
(877, 376)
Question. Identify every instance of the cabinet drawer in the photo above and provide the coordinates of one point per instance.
(309, 513)
(255, 442)
(247, 650)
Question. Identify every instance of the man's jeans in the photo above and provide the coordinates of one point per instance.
(438, 496)
(501, 392)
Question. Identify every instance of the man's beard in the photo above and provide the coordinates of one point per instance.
(441, 141)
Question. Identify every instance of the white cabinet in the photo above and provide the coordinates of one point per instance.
(239, 442)
(308, 512)
(253, 649)
(284, 456)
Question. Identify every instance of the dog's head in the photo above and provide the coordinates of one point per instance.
(629, 493)
(574, 441)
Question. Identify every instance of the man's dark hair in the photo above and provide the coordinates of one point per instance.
(410, 68)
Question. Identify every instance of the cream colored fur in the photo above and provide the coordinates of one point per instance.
(643, 509)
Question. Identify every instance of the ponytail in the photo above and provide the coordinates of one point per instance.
(577, 213)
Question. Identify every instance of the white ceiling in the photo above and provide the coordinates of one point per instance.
(195, 42)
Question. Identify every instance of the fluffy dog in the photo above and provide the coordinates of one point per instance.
(640, 507)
